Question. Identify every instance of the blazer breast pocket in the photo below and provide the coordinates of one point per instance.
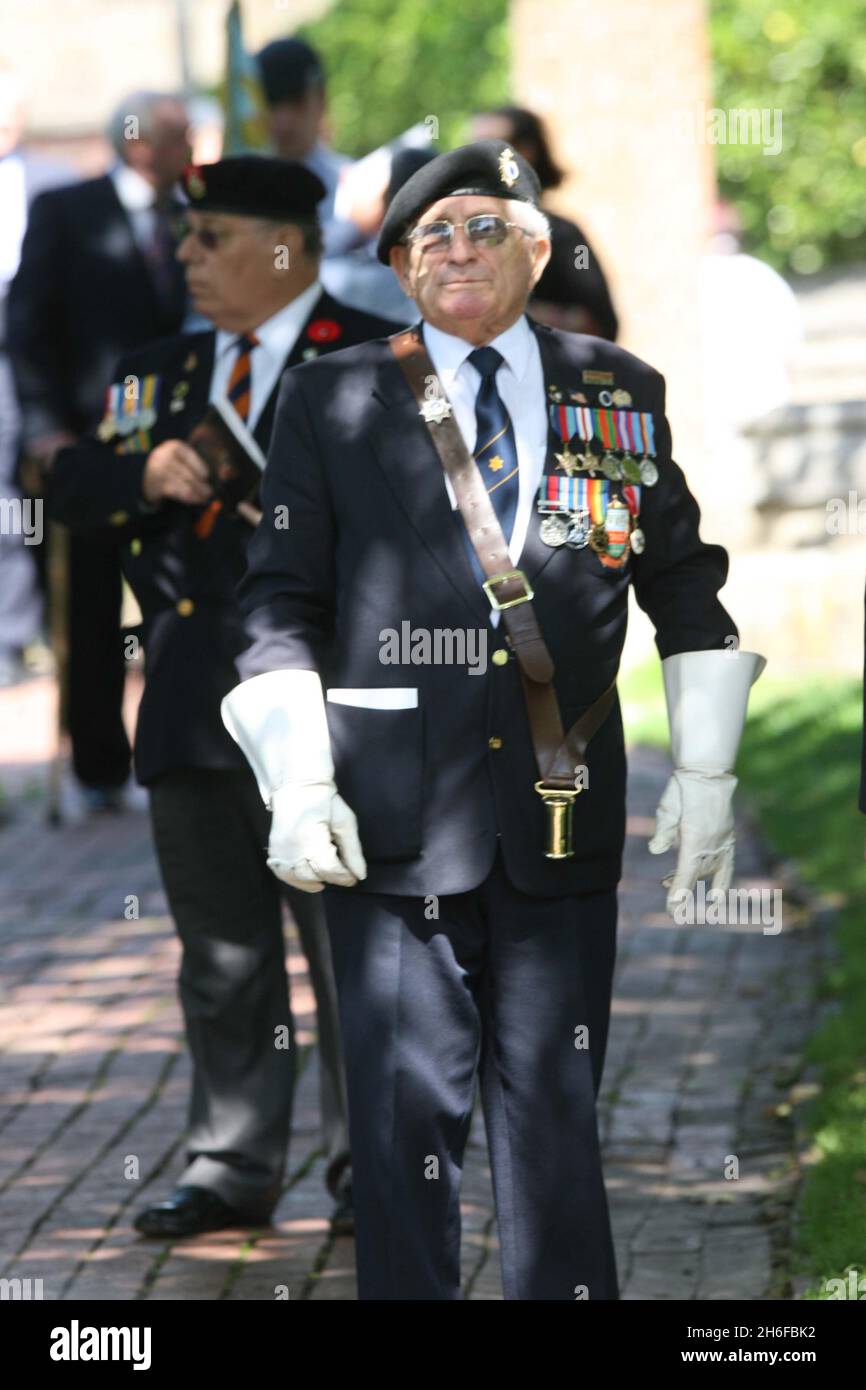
(378, 762)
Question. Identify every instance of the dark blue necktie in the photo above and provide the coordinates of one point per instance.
(495, 448)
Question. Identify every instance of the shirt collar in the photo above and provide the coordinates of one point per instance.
(449, 352)
(278, 334)
(133, 191)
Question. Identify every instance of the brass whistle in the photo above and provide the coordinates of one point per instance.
(558, 803)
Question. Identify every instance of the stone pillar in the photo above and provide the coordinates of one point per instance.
(623, 86)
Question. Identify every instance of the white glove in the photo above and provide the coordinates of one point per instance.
(312, 831)
(707, 694)
(278, 720)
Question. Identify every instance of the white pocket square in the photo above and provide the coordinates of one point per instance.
(384, 697)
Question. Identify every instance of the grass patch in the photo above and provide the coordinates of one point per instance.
(800, 766)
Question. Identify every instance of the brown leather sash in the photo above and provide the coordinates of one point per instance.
(558, 754)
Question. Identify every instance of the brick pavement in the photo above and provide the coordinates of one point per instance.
(706, 1040)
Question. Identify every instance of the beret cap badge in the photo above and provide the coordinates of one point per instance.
(195, 183)
(508, 170)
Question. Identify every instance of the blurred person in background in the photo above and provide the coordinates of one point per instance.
(294, 82)
(183, 553)
(751, 331)
(97, 277)
(572, 293)
(23, 176)
(358, 276)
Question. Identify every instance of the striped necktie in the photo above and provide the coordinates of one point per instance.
(241, 379)
(239, 392)
(495, 448)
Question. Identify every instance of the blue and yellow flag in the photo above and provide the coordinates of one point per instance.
(243, 96)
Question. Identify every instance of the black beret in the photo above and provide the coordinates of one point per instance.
(289, 68)
(254, 186)
(489, 167)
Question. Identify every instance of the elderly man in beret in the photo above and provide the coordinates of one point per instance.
(250, 249)
(484, 478)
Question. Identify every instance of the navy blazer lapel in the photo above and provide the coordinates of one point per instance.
(411, 465)
(199, 347)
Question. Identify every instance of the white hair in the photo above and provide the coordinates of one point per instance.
(530, 217)
(143, 106)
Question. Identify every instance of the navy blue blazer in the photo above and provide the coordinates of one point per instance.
(373, 542)
(192, 629)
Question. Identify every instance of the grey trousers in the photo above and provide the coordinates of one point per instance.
(211, 832)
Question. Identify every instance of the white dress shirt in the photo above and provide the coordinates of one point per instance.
(520, 383)
(277, 336)
(13, 201)
(136, 198)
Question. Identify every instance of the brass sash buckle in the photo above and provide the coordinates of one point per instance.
(525, 597)
(558, 804)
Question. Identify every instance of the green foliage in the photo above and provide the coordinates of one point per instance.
(392, 63)
(803, 208)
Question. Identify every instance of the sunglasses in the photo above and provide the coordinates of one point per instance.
(485, 229)
(206, 237)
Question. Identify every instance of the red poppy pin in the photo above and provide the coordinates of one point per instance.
(324, 331)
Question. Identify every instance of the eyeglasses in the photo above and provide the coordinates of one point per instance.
(207, 238)
(485, 229)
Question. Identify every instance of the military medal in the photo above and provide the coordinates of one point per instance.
(649, 474)
(637, 541)
(578, 531)
(554, 530)
(631, 469)
(435, 410)
(568, 460)
(605, 398)
(621, 397)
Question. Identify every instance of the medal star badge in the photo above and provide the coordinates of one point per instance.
(107, 429)
(508, 170)
(568, 460)
(435, 410)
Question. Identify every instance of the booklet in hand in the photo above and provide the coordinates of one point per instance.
(234, 459)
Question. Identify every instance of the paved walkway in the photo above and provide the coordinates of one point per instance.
(707, 1032)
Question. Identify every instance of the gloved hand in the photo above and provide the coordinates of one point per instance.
(696, 814)
(278, 720)
(707, 694)
(314, 838)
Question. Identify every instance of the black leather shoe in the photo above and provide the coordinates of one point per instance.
(188, 1212)
(343, 1217)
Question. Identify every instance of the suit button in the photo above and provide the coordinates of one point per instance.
(494, 742)
(500, 656)
(118, 518)
(135, 546)
(185, 606)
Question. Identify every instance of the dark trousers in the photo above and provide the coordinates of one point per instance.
(211, 833)
(97, 670)
(495, 988)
